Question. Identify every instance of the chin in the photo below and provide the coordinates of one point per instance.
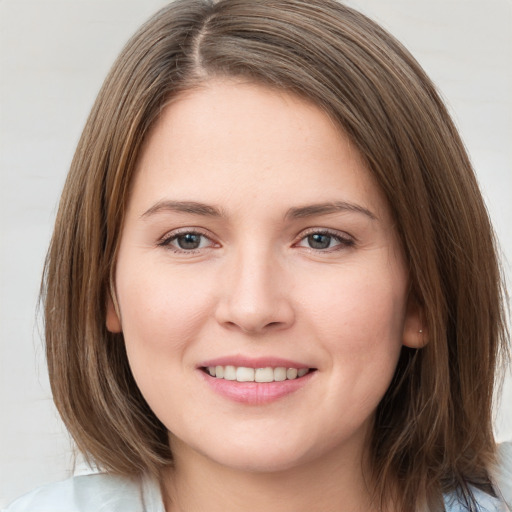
(259, 461)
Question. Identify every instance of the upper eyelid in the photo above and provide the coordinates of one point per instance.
(344, 239)
(329, 231)
(304, 233)
(182, 231)
(166, 240)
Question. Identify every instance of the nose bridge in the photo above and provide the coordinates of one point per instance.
(255, 296)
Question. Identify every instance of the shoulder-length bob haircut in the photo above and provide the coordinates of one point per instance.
(432, 431)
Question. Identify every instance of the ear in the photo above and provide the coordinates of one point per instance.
(113, 319)
(415, 333)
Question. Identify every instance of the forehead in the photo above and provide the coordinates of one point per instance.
(230, 140)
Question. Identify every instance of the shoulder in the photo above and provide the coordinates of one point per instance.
(98, 492)
(454, 502)
(502, 479)
(503, 472)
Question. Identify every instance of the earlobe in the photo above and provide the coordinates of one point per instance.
(113, 320)
(415, 333)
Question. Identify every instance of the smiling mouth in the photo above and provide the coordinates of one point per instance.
(267, 374)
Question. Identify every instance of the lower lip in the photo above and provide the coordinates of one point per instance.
(255, 393)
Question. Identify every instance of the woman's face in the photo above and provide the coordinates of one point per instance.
(257, 243)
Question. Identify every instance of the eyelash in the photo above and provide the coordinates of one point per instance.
(344, 241)
(167, 240)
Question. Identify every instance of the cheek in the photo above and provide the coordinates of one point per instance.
(161, 312)
(162, 316)
(359, 321)
(370, 306)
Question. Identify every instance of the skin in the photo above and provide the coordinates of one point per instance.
(256, 288)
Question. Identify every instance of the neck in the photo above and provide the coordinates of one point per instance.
(334, 484)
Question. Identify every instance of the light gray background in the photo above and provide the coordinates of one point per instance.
(54, 55)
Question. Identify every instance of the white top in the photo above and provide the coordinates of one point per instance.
(98, 492)
(101, 492)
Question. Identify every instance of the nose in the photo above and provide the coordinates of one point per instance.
(255, 295)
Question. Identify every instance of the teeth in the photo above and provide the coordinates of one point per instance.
(291, 373)
(280, 374)
(244, 374)
(264, 375)
(229, 373)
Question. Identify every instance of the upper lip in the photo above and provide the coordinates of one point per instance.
(251, 362)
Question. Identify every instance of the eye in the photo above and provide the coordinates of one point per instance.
(325, 240)
(186, 241)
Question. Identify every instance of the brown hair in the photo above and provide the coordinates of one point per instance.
(433, 429)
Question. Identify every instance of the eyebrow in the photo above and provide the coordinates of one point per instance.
(195, 208)
(183, 207)
(326, 208)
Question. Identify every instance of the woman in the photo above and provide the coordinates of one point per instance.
(273, 282)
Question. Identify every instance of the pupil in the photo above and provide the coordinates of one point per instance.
(319, 241)
(189, 241)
